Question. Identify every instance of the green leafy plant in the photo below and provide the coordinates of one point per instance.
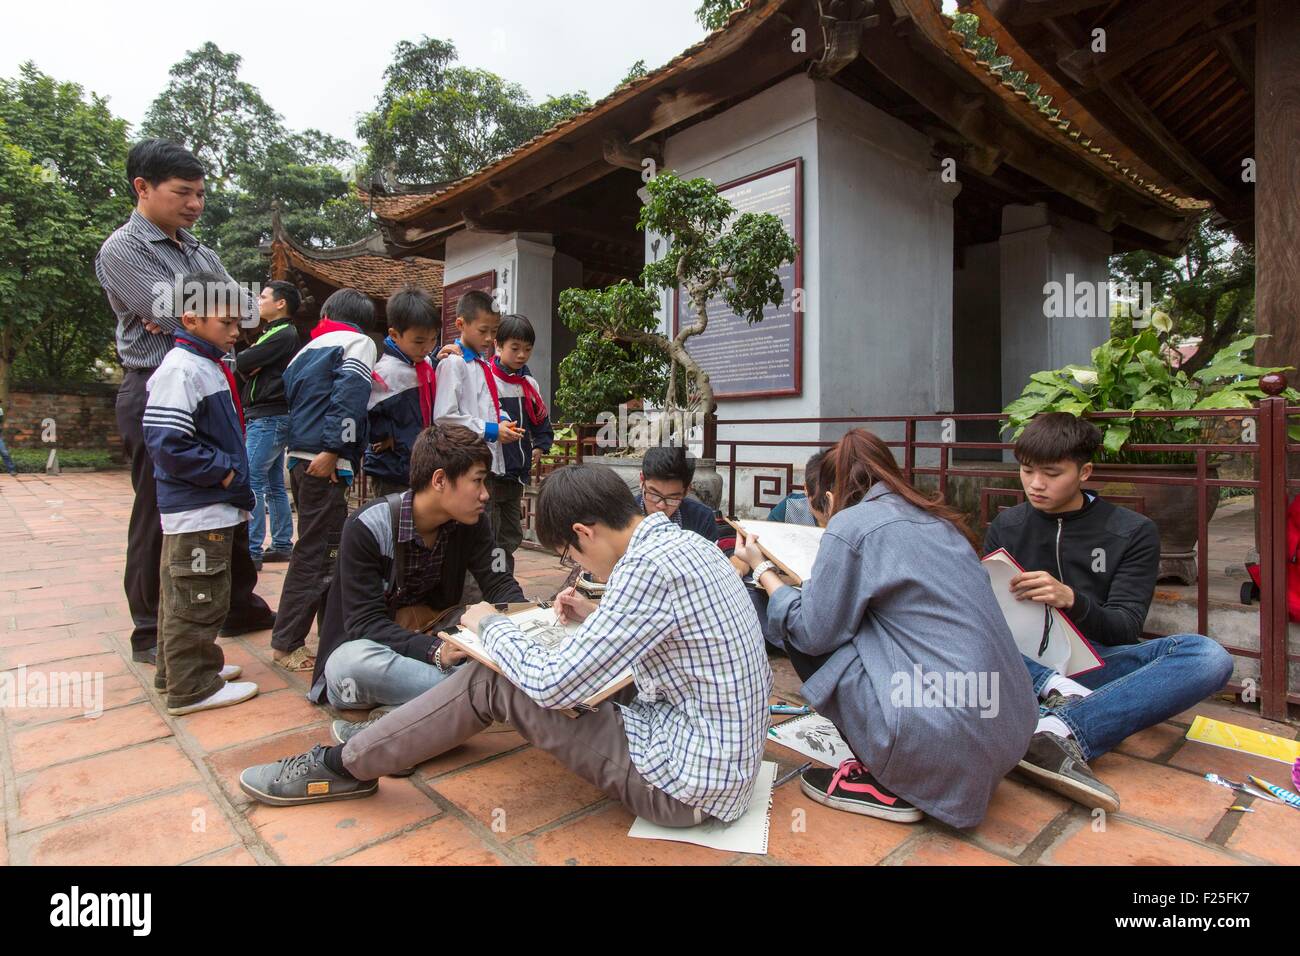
(1136, 374)
(711, 252)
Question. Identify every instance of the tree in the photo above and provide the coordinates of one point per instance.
(634, 72)
(1208, 292)
(708, 255)
(435, 120)
(712, 14)
(62, 191)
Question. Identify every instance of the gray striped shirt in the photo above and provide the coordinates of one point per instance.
(130, 265)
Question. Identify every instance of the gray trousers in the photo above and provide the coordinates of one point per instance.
(593, 746)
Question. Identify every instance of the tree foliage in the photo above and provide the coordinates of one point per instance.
(712, 14)
(436, 120)
(62, 191)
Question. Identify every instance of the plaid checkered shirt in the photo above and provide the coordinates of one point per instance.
(676, 611)
(423, 565)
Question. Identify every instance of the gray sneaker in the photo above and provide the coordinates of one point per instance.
(344, 730)
(301, 779)
(1057, 763)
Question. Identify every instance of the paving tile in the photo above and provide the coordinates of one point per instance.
(309, 834)
(1240, 715)
(4, 847)
(162, 831)
(95, 782)
(478, 747)
(1171, 798)
(52, 743)
(1201, 758)
(48, 651)
(600, 839)
(263, 716)
(35, 635)
(1017, 813)
(808, 833)
(943, 849)
(1128, 844)
(1150, 743)
(1271, 833)
(228, 764)
(235, 856)
(81, 697)
(520, 792)
(267, 677)
(444, 842)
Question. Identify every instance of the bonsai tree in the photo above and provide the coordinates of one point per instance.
(710, 252)
(1136, 374)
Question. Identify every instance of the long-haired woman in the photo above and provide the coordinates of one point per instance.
(900, 642)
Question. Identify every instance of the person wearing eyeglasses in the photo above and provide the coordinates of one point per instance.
(666, 475)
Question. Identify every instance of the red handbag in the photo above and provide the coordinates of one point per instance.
(1249, 591)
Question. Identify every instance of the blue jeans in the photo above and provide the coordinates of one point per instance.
(362, 674)
(266, 438)
(1141, 685)
(4, 454)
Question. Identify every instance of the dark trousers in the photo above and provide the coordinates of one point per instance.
(382, 487)
(195, 596)
(322, 509)
(805, 665)
(507, 520)
(144, 533)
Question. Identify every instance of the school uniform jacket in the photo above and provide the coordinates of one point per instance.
(394, 412)
(518, 457)
(193, 432)
(327, 385)
(463, 398)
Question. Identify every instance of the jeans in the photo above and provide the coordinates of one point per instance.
(266, 438)
(4, 455)
(1141, 685)
(362, 674)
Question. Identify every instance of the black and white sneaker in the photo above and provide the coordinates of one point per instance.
(1057, 763)
(854, 789)
(302, 779)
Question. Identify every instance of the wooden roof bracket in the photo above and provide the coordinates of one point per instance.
(841, 34)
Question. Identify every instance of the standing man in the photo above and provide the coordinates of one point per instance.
(139, 266)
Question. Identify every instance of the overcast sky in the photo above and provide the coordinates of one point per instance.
(321, 64)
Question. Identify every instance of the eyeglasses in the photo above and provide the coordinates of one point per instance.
(565, 560)
(657, 499)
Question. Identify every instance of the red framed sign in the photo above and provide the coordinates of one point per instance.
(764, 359)
(483, 282)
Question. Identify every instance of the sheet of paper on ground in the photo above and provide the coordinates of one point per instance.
(746, 835)
(1067, 651)
(1217, 733)
(813, 736)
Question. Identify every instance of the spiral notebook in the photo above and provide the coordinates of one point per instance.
(746, 835)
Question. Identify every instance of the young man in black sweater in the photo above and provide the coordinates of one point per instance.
(1097, 563)
(405, 556)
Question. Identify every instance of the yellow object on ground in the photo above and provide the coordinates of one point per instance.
(1217, 733)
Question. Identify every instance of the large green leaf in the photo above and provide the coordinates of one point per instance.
(1224, 398)
(1115, 437)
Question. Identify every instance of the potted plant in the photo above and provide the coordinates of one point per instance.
(1140, 373)
(711, 252)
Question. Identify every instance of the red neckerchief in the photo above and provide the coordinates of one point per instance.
(425, 379)
(487, 374)
(187, 343)
(532, 398)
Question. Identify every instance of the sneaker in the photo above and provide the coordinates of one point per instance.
(147, 656)
(235, 693)
(854, 789)
(1056, 699)
(344, 730)
(276, 557)
(302, 779)
(1057, 763)
(262, 623)
(231, 671)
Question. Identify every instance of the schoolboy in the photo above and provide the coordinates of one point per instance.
(401, 396)
(194, 430)
(327, 385)
(1097, 563)
(682, 745)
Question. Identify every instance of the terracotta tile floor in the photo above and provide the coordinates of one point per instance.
(138, 786)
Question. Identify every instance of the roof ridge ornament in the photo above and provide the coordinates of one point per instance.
(842, 30)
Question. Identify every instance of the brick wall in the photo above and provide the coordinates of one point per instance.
(83, 416)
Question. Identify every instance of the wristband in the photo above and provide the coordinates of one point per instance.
(762, 568)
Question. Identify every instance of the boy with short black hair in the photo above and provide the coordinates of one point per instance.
(666, 475)
(194, 431)
(681, 746)
(327, 385)
(1097, 563)
(521, 402)
(402, 395)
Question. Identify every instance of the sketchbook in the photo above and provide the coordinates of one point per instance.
(791, 547)
(1067, 651)
(538, 624)
(746, 835)
(813, 736)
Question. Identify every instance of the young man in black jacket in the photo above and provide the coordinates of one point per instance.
(366, 658)
(1097, 563)
(266, 411)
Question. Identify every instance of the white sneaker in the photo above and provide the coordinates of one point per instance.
(235, 693)
(231, 671)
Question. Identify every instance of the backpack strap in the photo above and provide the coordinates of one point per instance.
(397, 574)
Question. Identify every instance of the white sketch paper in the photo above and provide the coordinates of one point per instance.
(793, 545)
(746, 835)
(813, 736)
(1067, 652)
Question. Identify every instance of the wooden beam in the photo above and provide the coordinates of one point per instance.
(1036, 11)
(619, 152)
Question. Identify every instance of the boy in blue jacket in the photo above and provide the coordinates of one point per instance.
(327, 385)
(194, 431)
(401, 397)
